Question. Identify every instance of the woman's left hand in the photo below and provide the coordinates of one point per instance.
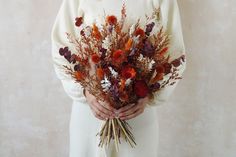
(132, 110)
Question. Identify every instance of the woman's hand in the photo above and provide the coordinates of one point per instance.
(133, 110)
(101, 110)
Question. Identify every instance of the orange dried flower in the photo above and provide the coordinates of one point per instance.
(96, 32)
(128, 44)
(122, 85)
(100, 73)
(128, 72)
(112, 20)
(79, 75)
(95, 58)
(118, 56)
(140, 32)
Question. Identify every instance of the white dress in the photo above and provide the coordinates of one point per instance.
(83, 124)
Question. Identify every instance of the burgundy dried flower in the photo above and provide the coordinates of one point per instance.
(77, 67)
(149, 28)
(175, 62)
(141, 88)
(62, 51)
(148, 49)
(155, 86)
(78, 21)
(167, 67)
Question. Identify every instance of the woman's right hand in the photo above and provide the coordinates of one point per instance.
(101, 110)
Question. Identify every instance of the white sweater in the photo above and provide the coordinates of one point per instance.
(93, 11)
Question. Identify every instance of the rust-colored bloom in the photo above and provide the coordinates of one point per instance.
(96, 33)
(95, 58)
(79, 75)
(141, 88)
(118, 56)
(112, 20)
(124, 96)
(160, 69)
(128, 44)
(122, 84)
(100, 73)
(128, 72)
(140, 32)
(78, 21)
(163, 51)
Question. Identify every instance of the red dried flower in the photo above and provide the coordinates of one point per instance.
(141, 88)
(95, 58)
(163, 51)
(128, 72)
(112, 20)
(140, 32)
(118, 56)
(78, 21)
(160, 69)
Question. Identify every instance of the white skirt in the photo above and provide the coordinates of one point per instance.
(84, 126)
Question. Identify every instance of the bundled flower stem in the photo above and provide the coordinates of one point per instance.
(114, 129)
(121, 66)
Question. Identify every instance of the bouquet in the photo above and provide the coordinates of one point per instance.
(121, 66)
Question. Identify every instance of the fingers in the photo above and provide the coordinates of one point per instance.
(134, 114)
(100, 111)
(98, 114)
(125, 108)
(107, 106)
(104, 110)
(129, 110)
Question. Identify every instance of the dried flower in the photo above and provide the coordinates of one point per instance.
(96, 32)
(141, 88)
(163, 51)
(113, 72)
(95, 58)
(128, 44)
(100, 73)
(128, 72)
(140, 32)
(148, 49)
(79, 21)
(106, 84)
(149, 28)
(118, 56)
(111, 20)
(79, 75)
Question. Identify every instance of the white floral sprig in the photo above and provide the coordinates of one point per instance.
(106, 84)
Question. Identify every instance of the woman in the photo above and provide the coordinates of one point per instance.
(88, 113)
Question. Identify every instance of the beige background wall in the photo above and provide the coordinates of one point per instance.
(198, 121)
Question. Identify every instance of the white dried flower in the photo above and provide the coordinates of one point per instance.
(146, 62)
(150, 64)
(136, 39)
(113, 72)
(128, 81)
(106, 84)
(87, 31)
(132, 29)
(106, 43)
(140, 58)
